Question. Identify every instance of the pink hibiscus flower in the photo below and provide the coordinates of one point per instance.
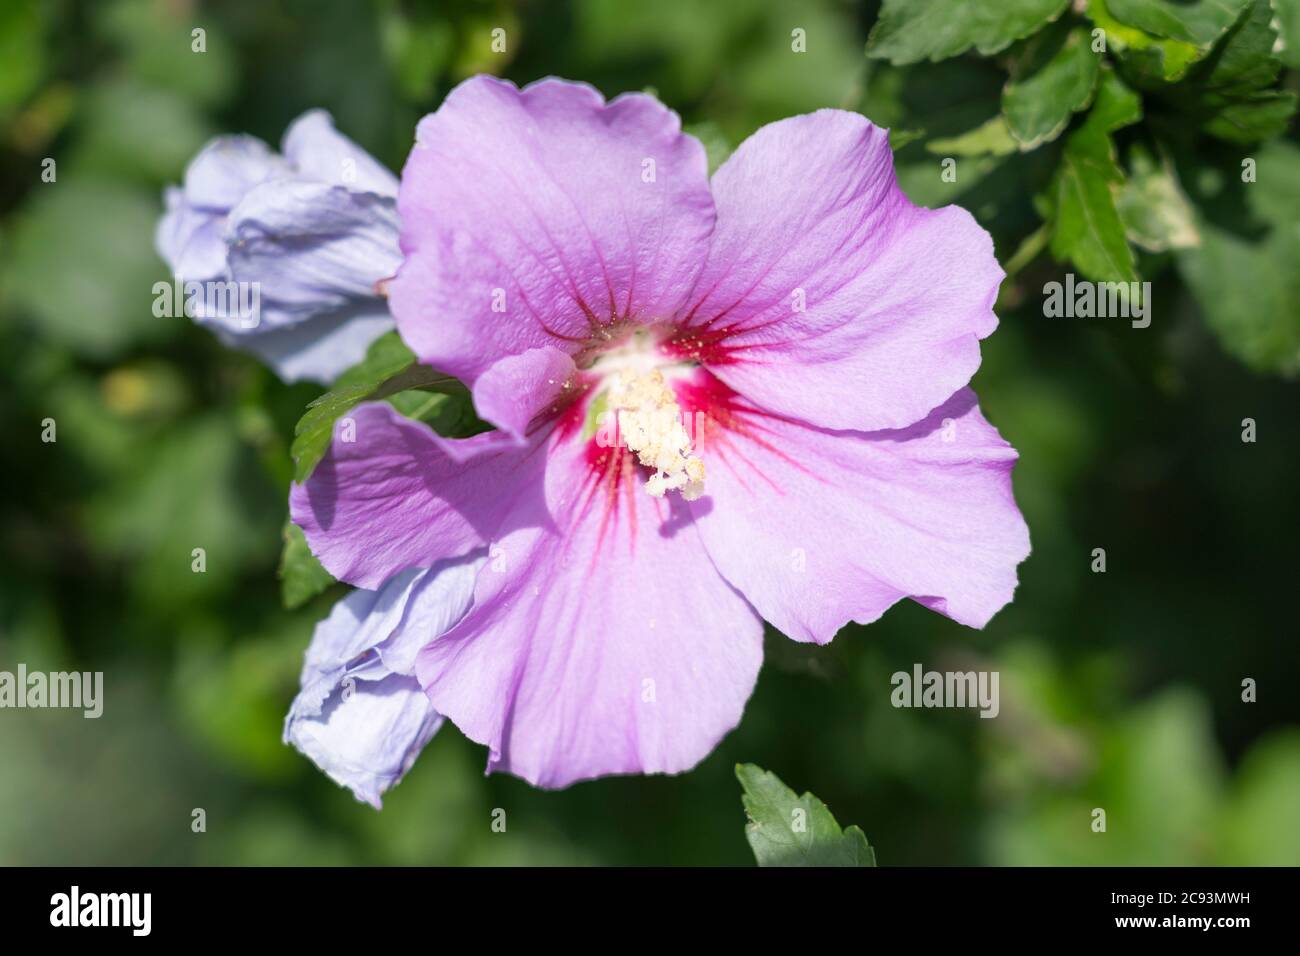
(719, 402)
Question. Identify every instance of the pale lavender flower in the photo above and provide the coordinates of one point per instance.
(315, 228)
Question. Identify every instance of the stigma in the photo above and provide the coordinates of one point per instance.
(650, 425)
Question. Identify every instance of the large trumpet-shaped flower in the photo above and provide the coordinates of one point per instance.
(718, 403)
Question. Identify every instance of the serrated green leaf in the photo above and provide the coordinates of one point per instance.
(1253, 118)
(1157, 215)
(1038, 107)
(386, 356)
(909, 31)
(1149, 56)
(1087, 229)
(1201, 22)
(388, 368)
(1230, 95)
(1116, 106)
(1244, 62)
(302, 577)
(785, 830)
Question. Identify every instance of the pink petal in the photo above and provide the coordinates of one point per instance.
(514, 390)
(896, 297)
(398, 496)
(607, 645)
(563, 211)
(819, 528)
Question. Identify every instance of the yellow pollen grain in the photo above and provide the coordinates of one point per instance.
(650, 423)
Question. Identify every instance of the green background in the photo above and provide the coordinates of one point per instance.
(1119, 690)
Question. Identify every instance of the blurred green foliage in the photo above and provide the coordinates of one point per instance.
(1120, 690)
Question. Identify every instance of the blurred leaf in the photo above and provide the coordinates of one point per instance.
(716, 145)
(1260, 820)
(1248, 292)
(775, 81)
(473, 49)
(418, 46)
(1087, 227)
(1253, 117)
(82, 265)
(22, 52)
(122, 114)
(155, 37)
(992, 138)
(235, 698)
(1274, 196)
(1247, 280)
(1157, 777)
(302, 577)
(1149, 56)
(1288, 22)
(277, 833)
(671, 31)
(192, 489)
(913, 30)
(1038, 107)
(424, 820)
(785, 830)
(1157, 216)
(898, 138)
(1193, 21)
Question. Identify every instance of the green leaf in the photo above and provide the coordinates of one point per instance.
(1157, 215)
(120, 114)
(156, 42)
(992, 138)
(195, 486)
(1254, 117)
(898, 138)
(1274, 196)
(450, 415)
(56, 270)
(1230, 94)
(1258, 825)
(302, 577)
(1038, 107)
(22, 52)
(1288, 28)
(417, 45)
(1201, 22)
(388, 368)
(785, 830)
(1116, 106)
(909, 31)
(1243, 274)
(1249, 289)
(1158, 58)
(1087, 229)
